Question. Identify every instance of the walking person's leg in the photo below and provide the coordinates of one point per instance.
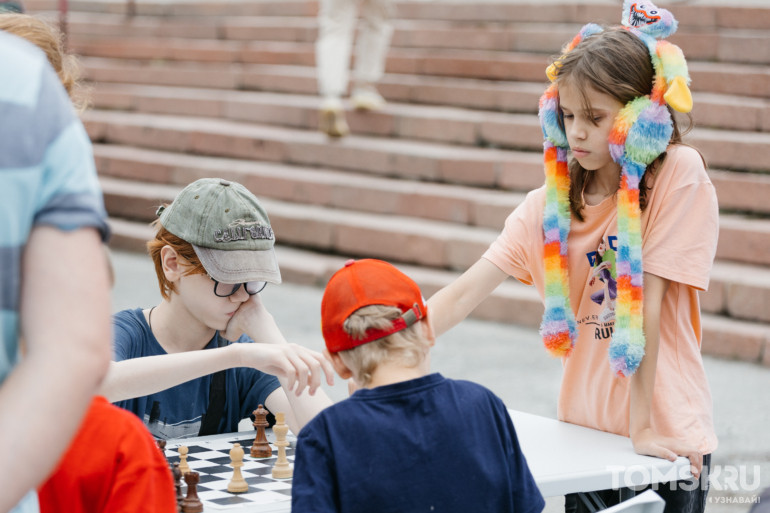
(336, 21)
(372, 47)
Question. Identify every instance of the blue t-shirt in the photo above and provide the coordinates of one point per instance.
(177, 412)
(428, 444)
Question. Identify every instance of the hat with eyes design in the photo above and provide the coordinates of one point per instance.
(641, 132)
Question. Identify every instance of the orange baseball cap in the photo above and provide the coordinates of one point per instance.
(362, 283)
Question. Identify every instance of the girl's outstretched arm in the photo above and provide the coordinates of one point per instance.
(453, 303)
(645, 440)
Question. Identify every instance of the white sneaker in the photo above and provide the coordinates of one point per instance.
(331, 118)
(367, 98)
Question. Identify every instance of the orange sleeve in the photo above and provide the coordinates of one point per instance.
(512, 250)
(680, 238)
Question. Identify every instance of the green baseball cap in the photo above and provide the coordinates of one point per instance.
(228, 229)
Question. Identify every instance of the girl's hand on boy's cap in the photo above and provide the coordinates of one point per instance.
(295, 366)
(253, 319)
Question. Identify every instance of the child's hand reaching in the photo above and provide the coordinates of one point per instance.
(291, 363)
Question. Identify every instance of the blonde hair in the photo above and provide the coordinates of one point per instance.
(48, 39)
(407, 346)
(183, 248)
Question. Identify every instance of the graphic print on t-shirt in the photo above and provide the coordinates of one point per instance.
(603, 285)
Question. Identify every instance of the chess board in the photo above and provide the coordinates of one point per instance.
(211, 459)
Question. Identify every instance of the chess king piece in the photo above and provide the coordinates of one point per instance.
(260, 448)
(183, 466)
(237, 484)
(282, 469)
(191, 503)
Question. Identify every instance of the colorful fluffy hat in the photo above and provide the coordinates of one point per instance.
(640, 134)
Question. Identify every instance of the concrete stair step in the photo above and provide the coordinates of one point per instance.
(181, 8)
(735, 339)
(438, 124)
(741, 79)
(444, 124)
(338, 189)
(315, 186)
(745, 151)
(515, 170)
(452, 63)
(116, 77)
(746, 192)
(392, 237)
(702, 16)
(471, 93)
(508, 170)
(511, 302)
(744, 239)
(731, 112)
(740, 290)
(725, 45)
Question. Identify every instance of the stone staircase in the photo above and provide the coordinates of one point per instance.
(185, 90)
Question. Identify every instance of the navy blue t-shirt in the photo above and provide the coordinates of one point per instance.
(178, 411)
(428, 444)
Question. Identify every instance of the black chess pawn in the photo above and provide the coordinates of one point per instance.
(162, 446)
(191, 503)
(177, 485)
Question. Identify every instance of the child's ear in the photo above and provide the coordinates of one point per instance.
(169, 259)
(339, 366)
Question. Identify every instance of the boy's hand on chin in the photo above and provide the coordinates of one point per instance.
(253, 319)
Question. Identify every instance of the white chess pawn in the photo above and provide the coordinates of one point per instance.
(183, 466)
(282, 469)
(237, 484)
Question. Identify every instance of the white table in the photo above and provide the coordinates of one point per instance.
(564, 458)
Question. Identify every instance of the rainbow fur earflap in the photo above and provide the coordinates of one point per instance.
(640, 134)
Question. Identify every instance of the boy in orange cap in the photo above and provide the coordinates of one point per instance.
(406, 440)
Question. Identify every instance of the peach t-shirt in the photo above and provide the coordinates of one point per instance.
(679, 238)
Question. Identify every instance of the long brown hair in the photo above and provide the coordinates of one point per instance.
(617, 63)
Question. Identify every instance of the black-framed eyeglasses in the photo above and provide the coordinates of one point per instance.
(228, 289)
